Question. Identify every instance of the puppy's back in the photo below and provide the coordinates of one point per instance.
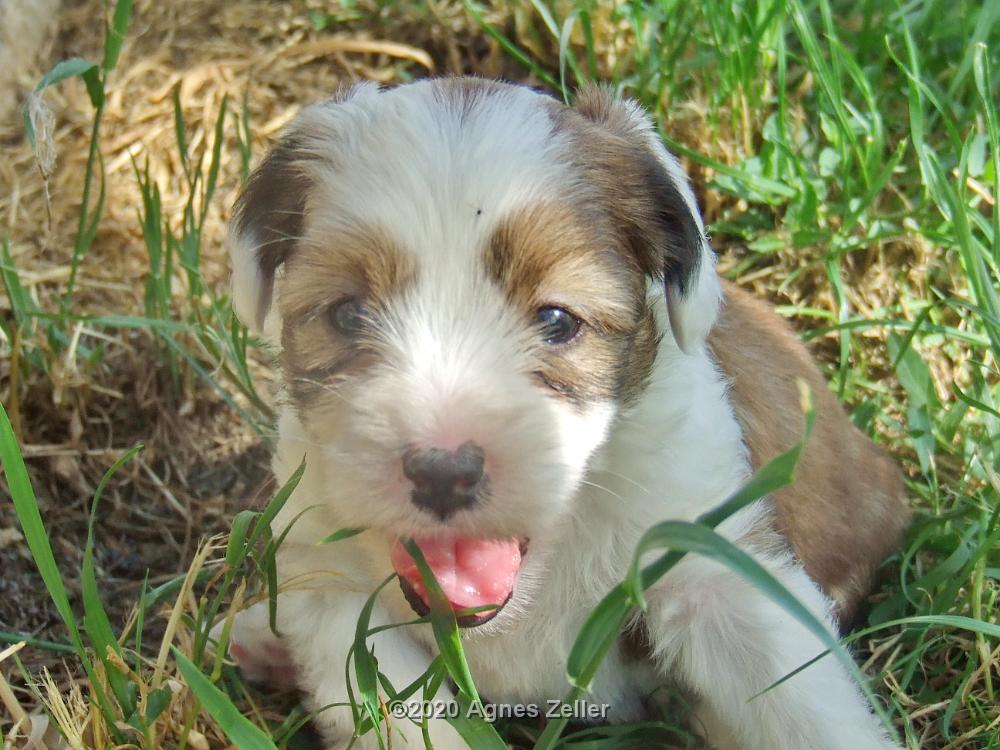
(847, 509)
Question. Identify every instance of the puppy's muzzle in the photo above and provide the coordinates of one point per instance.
(445, 482)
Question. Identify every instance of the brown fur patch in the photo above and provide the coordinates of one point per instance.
(847, 509)
(462, 93)
(619, 160)
(634, 642)
(551, 255)
(368, 265)
(270, 210)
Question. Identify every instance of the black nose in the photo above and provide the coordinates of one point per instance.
(444, 481)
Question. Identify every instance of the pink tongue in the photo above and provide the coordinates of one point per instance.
(471, 572)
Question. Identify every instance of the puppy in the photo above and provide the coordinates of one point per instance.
(502, 334)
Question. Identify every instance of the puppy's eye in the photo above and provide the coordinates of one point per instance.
(350, 316)
(558, 326)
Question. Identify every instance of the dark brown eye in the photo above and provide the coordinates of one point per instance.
(350, 316)
(558, 326)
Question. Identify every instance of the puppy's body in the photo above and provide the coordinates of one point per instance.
(461, 213)
(847, 508)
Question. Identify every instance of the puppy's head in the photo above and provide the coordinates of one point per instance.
(458, 274)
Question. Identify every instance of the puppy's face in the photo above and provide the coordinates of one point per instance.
(457, 272)
(497, 353)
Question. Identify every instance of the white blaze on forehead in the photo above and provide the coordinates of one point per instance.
(438, 165)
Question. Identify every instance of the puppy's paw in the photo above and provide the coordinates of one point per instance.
(259, 653)
(264, 663)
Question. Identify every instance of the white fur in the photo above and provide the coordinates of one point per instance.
(583, 483)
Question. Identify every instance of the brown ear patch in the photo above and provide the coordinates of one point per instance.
(598, 104)
(634, 642)
(270, 213)
(550, 254)
(617, 156)
(463, 93)
(847, 509)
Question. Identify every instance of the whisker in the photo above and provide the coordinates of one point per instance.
(622, 477)
(281, 238)
(601, 487)
(327, 388)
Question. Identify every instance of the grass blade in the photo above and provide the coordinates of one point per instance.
(95, 619)
(115, 34)
(365, 663)
(26, 508)
(243, 733)
(444, 625)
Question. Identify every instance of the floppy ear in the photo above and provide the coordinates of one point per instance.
(267, 220)
(657, 207)
(269, 214)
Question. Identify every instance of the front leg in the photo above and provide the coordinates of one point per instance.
(729, 642)
(317, 630)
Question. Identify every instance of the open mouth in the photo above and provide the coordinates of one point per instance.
(472, 573)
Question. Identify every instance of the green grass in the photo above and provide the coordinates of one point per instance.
(850, 155)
